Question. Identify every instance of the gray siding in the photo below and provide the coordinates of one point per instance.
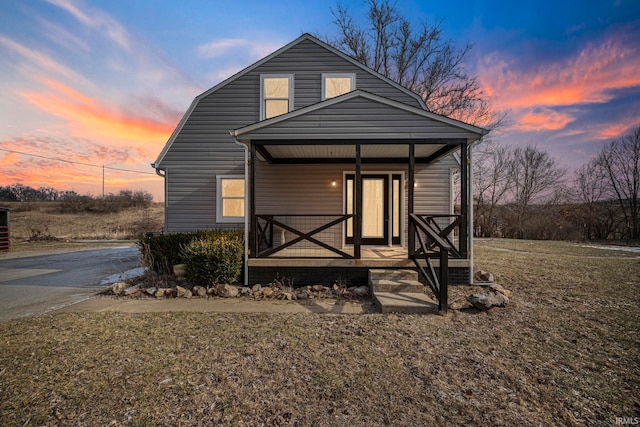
(311, 191)
(203, 148)
(433, 187)
(358, 118)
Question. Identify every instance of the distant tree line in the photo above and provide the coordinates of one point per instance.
(72, 202)
(25, 193)
(525, 193)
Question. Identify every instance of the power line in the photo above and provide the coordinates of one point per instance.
(76, 163)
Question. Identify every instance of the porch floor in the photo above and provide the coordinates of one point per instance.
(371, 257)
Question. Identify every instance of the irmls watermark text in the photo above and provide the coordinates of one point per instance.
(628, 421)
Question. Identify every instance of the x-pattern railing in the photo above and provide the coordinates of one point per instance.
(444, 226)
(264, 233)
(433, 242)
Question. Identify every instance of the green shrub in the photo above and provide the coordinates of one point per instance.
(216, 260)
(161, 252)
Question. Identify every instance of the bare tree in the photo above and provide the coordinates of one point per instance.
(420, 59)
(491, 182)
(620, 162)
(590, 188)
(536, 178)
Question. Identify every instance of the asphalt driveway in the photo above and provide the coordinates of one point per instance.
(35, 283)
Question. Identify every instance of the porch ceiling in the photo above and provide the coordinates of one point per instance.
(337, 152)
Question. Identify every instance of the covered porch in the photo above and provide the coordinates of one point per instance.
(363, 206)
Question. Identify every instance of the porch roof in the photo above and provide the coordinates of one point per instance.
(328, 131)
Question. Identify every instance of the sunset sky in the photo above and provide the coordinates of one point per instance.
(104, 83)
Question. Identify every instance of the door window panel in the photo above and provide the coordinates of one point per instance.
(373, 207)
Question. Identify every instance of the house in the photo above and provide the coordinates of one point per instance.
(331, 168)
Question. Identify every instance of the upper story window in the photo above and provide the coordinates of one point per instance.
(276, 95)
(336, 84)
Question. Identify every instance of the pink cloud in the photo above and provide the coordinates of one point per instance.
(546, 120)
(585, 77)
(589, 76)
(88, 117)
(615, 130)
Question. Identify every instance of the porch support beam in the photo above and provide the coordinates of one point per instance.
(364, 141)
(252, 204)
(410, 196)
(357, 219)
(264, 153)
(438, 154)
(464, 199)
(349, 160)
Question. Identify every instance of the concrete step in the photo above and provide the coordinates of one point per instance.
(380, 274)
(396, 285)
(405, 302)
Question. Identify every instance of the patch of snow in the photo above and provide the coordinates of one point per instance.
(119, 277)
(614, 248)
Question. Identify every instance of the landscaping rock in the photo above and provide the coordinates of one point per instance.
(245, 291)
(131, 290)
(151, 291)
(484, 276)
(267, 292)
(288, 296)
(460, 304)
(360, 291)
(256, 288)
(226, 291)
(118, 288)
(498, 288)
(318, 288)
(160, 292)
(199, 291)
(187, 294)
(486, 300)
(302, 294)
(180, 291)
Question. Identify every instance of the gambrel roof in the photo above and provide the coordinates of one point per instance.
(303, 38)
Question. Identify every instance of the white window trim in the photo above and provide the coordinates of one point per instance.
(228, 219)
(267, 76)
(351, 76)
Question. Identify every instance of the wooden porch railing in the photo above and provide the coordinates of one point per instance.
(432, 239)
(315, 224)
(448, 229)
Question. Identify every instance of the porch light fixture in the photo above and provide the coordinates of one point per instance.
(333, 183)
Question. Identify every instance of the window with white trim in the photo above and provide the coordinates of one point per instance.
(336, 84)
(230, 198)
(276, 95)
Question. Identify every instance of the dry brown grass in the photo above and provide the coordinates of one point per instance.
(33, 224)
(565, 351)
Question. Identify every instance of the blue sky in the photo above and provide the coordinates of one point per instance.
(105, 82)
